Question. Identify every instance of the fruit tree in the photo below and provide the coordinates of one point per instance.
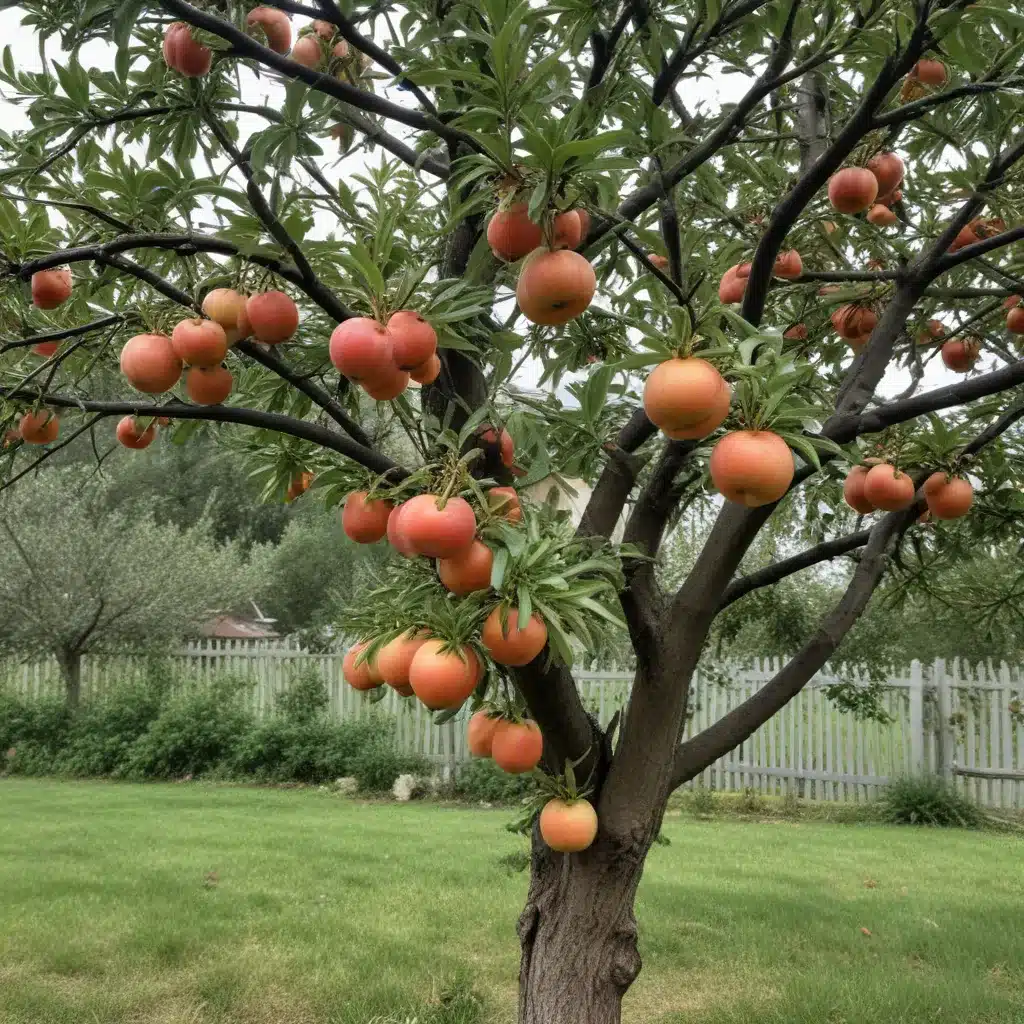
(723, 234)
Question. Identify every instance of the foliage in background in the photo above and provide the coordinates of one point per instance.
(928, 800)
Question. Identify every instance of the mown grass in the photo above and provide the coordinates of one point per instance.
(323, 910)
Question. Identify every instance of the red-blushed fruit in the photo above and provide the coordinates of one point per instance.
(888, 171)
(732, 286)
(183, 54)
(130, 436)
(324, 29)
(976, 230)
(798, 332)
(506, 444)
(360, 676)
(46, 348)
(881, 216)
(51, 288)
(504, 501)
(225, 306)
(930, 72)
(396, 534)
(395, 658)
(657, 260)
(413, 340)
(389, 385)
(428, 372)
(300, 483)
(853, 322)
(555, 287)
(568, 826)
(244, 329)
(1010, 301)
(853, 490)
(948, 498)
(480, 733)
(438, 532)
(208, 385)
(1015, 319)
(443, 679)
(890, 198)
(275, 25)
(960, 355)
(39, 427)
(467, 571)
(273, 317)
(362, 348)
(340, 49)
(743, 270)
(717, 415)
(511, 645)
(887, 488)
(150, 364)
(365, 522)
(307, 52)
(566, 230)
(11, 437)
(511, 234)
(584, 223)
(199, 342)
(681, 392)
(852, 189)
(752, 467)
(932, 330)
(788, 265)
(517, 746)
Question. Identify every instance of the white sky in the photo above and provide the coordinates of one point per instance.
(723, 88)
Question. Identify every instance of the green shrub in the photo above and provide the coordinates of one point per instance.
(703, 801)
(305, 700)
(378, 764)
(482, 781)
(198, 731)
(928, 800)
(35, 728)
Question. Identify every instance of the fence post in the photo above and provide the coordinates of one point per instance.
(916, 718)
(943, 730)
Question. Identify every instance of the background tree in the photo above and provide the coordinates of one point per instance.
(77, 575)
(752, 190)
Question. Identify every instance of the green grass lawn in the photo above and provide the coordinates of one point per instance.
(324, 910)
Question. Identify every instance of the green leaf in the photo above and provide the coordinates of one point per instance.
(498, 568)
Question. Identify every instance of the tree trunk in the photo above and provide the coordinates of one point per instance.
(71, 672)
(578, 934)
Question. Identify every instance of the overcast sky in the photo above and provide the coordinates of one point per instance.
(723, 88)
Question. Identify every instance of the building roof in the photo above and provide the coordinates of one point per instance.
(236, 627)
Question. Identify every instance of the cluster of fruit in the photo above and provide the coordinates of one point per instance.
(788, 265)
(875, 188)
(383, 358)
(881, 486)
(555, 283)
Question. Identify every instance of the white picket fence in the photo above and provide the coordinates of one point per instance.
(964, 723)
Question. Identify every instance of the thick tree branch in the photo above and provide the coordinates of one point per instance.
(912, 111)
(979, 248)
(70, 332)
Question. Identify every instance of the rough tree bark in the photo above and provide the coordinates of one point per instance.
(70, 663)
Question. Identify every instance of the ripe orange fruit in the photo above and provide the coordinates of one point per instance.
(511, 234)
(183, 54)
(798, 332)
(853, 490)
(567, 229)
(150, 363)
(852, 189)
(932, 330)
(506, 445)
(517, 746)
(788, 265)
(413, 340)
(272, 315)
(435, 531)
(584, 223)
(881, 216)
(480, 733)
(39, 427)
(226, 307)
(732, 286)
(276, 27)
(657, 260)
(853, 322)
(307, 52)
(361, 677)
(888, 171)
(208, 385)
(568, 826)
(948, 498)
(51, 288)
(512, 645)
(324, 29)
(960, 354)
(555, 286)
(364, 521)
(130, 436)
(395, 658)
(504, 501)
(467, 571)
(682, 392)
(717, 415)
(428, 372)
(199, 342)
(46, 348)
(443, 678)
(1015, 319)
(752, 467)
(887, 488)
(929, 72)
(396, 534)
(300, 483)
(362, 348)
(387, 385)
